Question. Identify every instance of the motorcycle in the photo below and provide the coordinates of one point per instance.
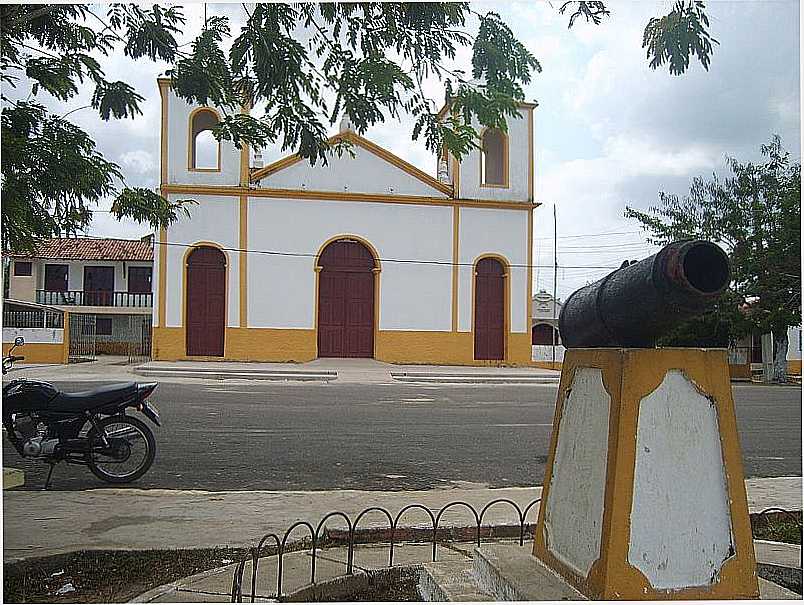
(90, 428)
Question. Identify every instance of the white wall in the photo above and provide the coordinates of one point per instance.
(215, 219)
(281, 290)
(545, 353)
(178, 144)
(794, 343)
(34, 335)
(365, 173)
(494, 231)
(518, 166)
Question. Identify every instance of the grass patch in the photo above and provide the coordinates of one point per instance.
(103, 576)
(778, 527)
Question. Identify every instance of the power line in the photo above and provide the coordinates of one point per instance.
(383, 260)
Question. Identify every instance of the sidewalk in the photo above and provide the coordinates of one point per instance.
(215, 585)
(45, 523)
(353, 371)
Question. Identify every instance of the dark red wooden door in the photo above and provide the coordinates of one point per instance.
(490, 310)
(98, 285)
(206, 301)
(56, 278)
(346, 301)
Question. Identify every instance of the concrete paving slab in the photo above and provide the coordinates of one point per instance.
(768, 591)
(453, 577)
(778, 553)
(451, 581)
(13, 477)
(44, 523)
(513, 574)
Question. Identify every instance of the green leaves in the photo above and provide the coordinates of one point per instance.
(204, 77)
(116, 99)
(682, 32)
(53, 175)
(306, 64)
(755, 214)
(145, 206)
(51, 170)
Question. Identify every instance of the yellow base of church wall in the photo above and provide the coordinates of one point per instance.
(241, 344)
(392, 346)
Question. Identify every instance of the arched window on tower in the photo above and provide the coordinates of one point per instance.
(205, 150)
(494, 158)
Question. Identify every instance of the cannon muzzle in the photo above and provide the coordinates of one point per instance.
(637, 304)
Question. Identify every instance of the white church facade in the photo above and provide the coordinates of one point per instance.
(367, 256)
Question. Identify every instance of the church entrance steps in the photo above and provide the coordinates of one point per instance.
(487, 377)
(223, 371)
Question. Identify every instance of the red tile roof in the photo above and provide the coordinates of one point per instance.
(86, 248)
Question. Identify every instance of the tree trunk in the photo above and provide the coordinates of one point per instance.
(780, 355)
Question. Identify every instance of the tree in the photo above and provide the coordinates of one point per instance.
(308, 64)
(755, 214)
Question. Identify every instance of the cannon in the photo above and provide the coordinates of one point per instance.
(638, 303)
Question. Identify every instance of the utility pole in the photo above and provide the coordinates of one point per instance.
(555, 280)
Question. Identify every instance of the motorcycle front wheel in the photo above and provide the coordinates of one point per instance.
(131, 450)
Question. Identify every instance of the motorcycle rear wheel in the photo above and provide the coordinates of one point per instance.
(128, 436)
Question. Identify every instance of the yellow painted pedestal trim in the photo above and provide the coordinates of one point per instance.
(629, 375)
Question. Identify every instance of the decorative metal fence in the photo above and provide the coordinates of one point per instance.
(82, 338)
(281, 545)
(33, 319)
(139, 338)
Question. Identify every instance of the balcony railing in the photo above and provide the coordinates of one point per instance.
(101, 298)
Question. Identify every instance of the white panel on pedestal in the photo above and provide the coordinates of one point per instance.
(680, 523)
(574, 509)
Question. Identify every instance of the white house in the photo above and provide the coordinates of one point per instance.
(367, 256)
(105, 278)
(545, 338)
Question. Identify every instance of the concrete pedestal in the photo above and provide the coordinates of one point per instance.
(644, 496)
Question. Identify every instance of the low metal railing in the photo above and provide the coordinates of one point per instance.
(281, 545)
(100, 298)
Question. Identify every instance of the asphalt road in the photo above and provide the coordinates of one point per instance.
(264, 436)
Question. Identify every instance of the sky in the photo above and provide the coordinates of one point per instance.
(609, 131)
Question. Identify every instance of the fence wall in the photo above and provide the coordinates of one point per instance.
(42, 345)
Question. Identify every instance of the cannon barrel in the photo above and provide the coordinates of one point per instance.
(636, 304)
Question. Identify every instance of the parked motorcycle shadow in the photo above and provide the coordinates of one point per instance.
(90, 428)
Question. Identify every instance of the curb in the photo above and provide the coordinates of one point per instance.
(473, 378)
(244, 373)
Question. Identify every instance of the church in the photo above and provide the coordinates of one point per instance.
(366, 256)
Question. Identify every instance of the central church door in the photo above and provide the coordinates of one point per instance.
(346, 300)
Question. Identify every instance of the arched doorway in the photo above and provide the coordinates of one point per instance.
(346, 300)
(489, 309)
(542, 334)
(206, 301)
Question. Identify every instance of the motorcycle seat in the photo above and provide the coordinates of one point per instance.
(94, 398)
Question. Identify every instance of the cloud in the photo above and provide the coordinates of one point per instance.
(609, 131)
(139, 161)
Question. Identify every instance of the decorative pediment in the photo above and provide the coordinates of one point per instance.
(364, 168)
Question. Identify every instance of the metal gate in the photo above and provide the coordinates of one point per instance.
(82, 338)
(139, 338)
